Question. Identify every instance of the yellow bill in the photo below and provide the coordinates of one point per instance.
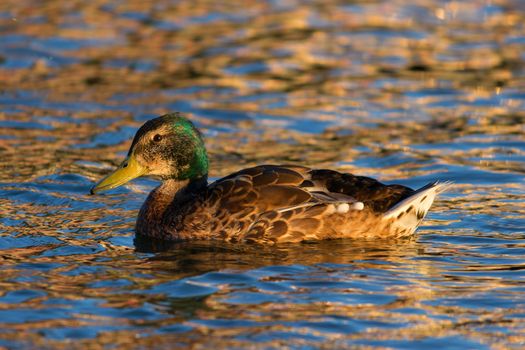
(127, 171)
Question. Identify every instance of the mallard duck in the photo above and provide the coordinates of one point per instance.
(263, 204)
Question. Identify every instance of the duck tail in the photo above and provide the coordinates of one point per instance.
(408, 213)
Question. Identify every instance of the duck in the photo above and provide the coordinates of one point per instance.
(266, 204)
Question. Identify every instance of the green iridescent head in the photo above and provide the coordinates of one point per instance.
(168, 147)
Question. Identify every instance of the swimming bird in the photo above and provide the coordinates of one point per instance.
(263, 204)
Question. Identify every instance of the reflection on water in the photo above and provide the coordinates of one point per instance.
(398, 91)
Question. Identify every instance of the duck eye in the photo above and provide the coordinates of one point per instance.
(157, 137)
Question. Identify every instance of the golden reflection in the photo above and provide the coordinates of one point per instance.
(385, 89)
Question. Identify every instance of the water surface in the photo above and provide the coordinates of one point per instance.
(406, 93)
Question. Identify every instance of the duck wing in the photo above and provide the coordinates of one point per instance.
(276, 201)
(375, 195)
(236, 201)
(261, 188)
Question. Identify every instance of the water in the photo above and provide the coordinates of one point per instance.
(406, 93)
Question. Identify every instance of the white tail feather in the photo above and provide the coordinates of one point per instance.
(409, 212)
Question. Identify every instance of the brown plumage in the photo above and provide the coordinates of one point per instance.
(263, 204)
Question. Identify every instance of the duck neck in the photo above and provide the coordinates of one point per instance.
(170, 194)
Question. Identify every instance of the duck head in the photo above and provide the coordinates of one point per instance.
(167, 147)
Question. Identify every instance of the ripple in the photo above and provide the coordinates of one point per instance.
(407, 93)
